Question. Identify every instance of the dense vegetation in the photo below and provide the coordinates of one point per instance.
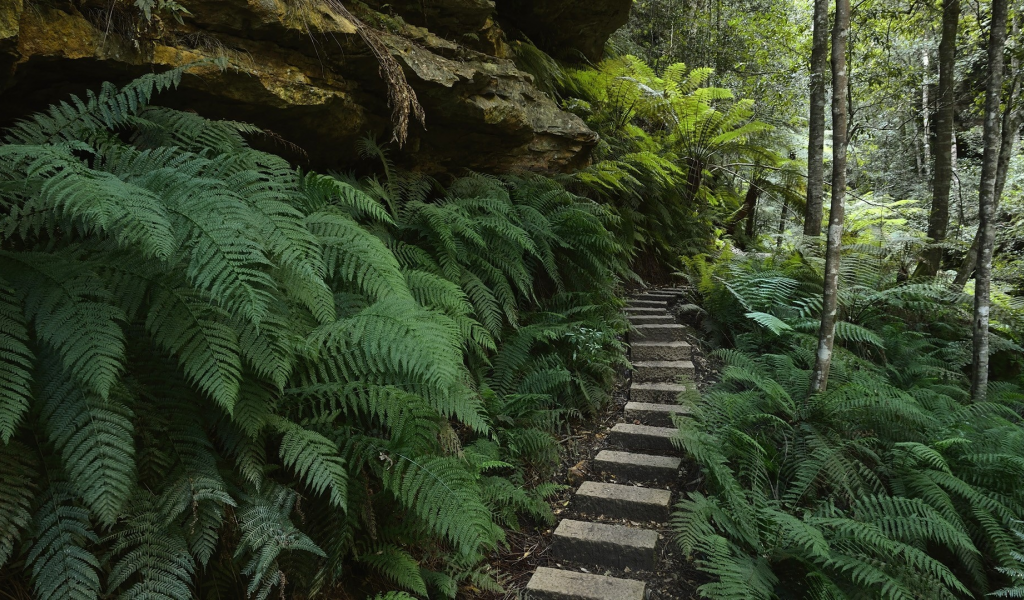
(891, 483)
(223, 376)
(221, 373)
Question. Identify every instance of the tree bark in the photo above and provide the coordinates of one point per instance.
(987, 199)
(938, 218)
(782, 222)
(743, 220)
(816, 124)
(1013, 118)
(830, 300)
(925, 117)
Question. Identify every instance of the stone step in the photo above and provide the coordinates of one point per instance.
(644, 310)
(658, 333)
(645, 371)
(642, 437)
(638, 467)
(613, 546)
(656, 295)
(661, 351)
(623, 501)
(654, 414)
(657, 392)
(647, 303)
(556, 584)
(652, 319)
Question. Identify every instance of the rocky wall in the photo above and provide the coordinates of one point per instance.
(298, 69)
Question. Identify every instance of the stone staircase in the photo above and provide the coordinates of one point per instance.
(641, 451)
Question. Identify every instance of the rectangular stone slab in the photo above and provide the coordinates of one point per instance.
(669, 296)
(661, 370)
(665, 319)
(657, 392)
(658, 333)
(556, 584)
(613, 546)
(654, 414)
(647, 303)
(638, 467)
(642, 437)
(660, 351)
(644, 310)
(623, 501)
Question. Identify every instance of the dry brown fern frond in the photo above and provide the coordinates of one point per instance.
(401, 97)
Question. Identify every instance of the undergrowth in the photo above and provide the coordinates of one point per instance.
(220, 375)
(892, 484)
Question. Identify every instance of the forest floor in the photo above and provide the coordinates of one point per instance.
(676, 578)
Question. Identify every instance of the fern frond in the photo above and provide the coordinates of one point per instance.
(94, 438)
(61, 566)
(16, 360)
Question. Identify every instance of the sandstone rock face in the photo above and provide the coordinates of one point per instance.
(299, 69)
(567, 28)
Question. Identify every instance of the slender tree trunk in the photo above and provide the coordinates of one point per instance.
(1011, 125)
(938, 219)
(987, 199)
(830, 300)
(925, 117)
(743, 219)
(816, 125)
(782, 222)
(1013, 117)
(918, 151)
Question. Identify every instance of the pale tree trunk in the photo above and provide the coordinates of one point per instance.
(918, 151)
(1013, 117)
(925, 117)
(938, 218)
(830, 300)
(816, 125)
(987, 199)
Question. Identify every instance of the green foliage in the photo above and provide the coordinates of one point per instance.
(673, 155)
(220, 374)
(891, 484)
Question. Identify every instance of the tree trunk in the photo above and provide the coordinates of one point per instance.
(830, 300)
(1013, 117)
(816, 125)
(753, 195)
(742, 221)
(938, 219)
(925, 140)
(782, 222)
(1012, 120)
(987, 199)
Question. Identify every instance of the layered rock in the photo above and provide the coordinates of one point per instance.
(300, 70)
(567, 29)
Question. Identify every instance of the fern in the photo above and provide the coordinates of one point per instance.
(152, 554)
(16, 361)
(60, 565)
(271, 375)
(18, 472)
(889, 484)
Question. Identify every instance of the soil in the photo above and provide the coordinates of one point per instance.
(676, 578)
